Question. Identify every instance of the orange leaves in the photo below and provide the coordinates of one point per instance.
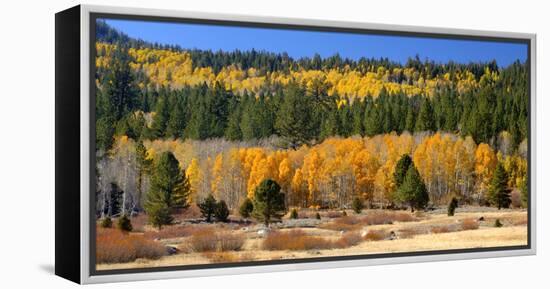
(485, 163)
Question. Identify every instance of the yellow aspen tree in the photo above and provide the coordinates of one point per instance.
(217, 176)
(194, 175)
(485, 163)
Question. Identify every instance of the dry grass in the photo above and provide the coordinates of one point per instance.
(210, 240)
(375, 217)
(407, 233)
(298, 240)
(114, 246)
(169, 232)
(411, 237)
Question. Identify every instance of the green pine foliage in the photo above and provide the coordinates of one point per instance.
(269, 202)
(357, 205)
(294, 214)
(124, 224)
(413, 190)
(499, 193)
(208, 207)
(246, 208)
(221, 212)
(295, 121)
(401, 168)
(169, 190)
(106, 222)
(453, 204)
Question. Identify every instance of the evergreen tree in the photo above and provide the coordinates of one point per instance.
(176, 121)
(413, 190)
(499, 193)
(222, 212)
(208, 207)
(357, 205)
(410, 120)
(373, 120)
(161, 117)
(358, 110)
(401, 169)
(246, 208)
(452, 207)
(425, 120)
(524, 193)
(269, 202)
(143, 166)
(124, 224)
(169, 190)
(294, 122)
(233, 129)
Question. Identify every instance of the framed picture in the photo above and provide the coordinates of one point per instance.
(194, 144)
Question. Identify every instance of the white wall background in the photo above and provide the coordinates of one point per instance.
(27, 143)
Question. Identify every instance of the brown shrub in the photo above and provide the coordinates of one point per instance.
(346, 224)
(375, 235)
(470, 224)
(114, 246)
(387, 217)
(349, 239)
(230, 241)
(295, 240)
(208, 240)
(192, 212)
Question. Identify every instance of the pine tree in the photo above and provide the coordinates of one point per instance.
(169, 190)
(124, 224)
(401, 169)
(176, 121)
(425, 120)
(160, 120)
(294, 122)
(269, 202)
(413, 190)
(524, 193)
(246, 208)
(208, 207)
(357, 205)
(143, 166)
(222, 212)
(499, 193)
(452, 207)
(233, 129)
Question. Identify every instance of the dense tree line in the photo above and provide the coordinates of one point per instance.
(303, 113)
(331, 149)
(266, 61)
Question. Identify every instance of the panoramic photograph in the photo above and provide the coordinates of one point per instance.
(226, 144)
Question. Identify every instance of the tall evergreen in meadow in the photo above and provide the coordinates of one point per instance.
(499, 193)
(413, 190)
(169, 190)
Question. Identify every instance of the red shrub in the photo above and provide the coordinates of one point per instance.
(114, 246)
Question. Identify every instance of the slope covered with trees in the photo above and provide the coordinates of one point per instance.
(326, 130)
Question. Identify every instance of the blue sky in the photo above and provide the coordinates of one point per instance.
(305, 43)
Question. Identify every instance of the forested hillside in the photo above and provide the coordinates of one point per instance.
(327, 130)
